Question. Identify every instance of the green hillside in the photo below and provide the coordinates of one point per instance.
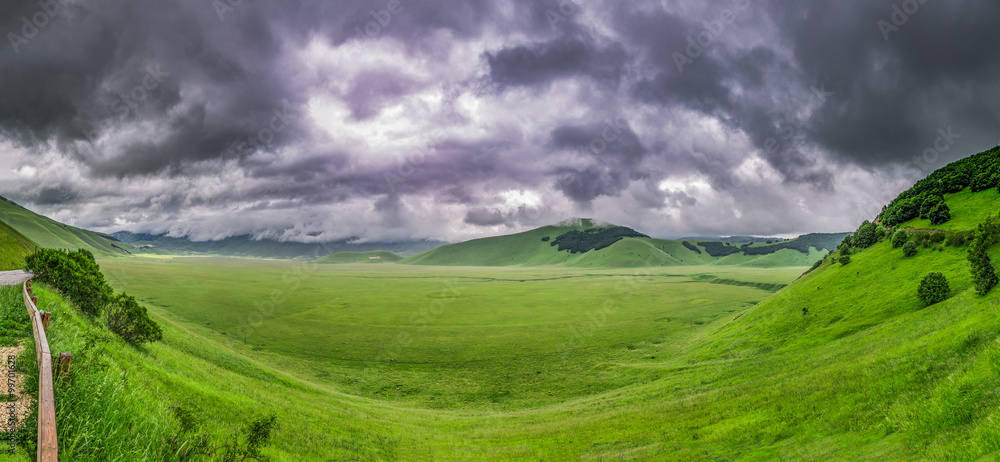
(374, 256)
(47, 232)
(618, 246)
(13, 248)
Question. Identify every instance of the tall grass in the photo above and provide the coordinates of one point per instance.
(101, 413)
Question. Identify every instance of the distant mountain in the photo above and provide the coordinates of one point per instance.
(375, 256)
(14, 246)
(735, 239)
(583, 243)
(245, 246)
(46, 232)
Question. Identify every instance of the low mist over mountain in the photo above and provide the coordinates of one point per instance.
(245, 246)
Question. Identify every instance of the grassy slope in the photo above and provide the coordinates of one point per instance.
(968, 209)
(524, 248)
(52, 234)
(359, 257)
(13, 248)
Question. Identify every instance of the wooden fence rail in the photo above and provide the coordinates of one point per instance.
(48, 446)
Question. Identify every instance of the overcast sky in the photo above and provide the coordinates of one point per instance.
(383, 120)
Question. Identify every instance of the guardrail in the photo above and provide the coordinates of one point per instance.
(48, 445)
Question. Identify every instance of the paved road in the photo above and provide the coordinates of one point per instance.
(9, 278)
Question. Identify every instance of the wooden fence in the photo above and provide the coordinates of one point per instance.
(48, 446)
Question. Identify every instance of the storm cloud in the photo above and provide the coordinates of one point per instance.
(411, 119)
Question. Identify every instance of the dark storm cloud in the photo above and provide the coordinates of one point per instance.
(895, 89)
(613, 151)
(707, 112)
(483, 217)
(539, 63)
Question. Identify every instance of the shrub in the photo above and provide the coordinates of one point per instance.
(76, 274)
(899, 238)
(959, 238)
(939, 214)
(920, 238)
(933, 288)
(244, 445)
(127, 318)
(845, 250)
(844, 259)
(909, 249)
(936, 238)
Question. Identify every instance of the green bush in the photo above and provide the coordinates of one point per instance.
(127, 318)
(76, 274)
(936, 238)
(909, 249)
(933, 288)
(939, 214)
(959, 238)
(844, 259)
(899, 238)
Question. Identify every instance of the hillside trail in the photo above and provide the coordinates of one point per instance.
(10, 278)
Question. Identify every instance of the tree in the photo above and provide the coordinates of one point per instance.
(899, 238)
(982, 181)
(939, 214)
(866, 235)
(933, 288)
(983, 275)
(929, 203)
(844, 259)
(909, 249)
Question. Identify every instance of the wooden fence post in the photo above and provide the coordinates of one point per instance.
(46, 317)
(64, 361)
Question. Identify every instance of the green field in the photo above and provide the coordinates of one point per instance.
(374, 256)
(445, 337)
(401, 362)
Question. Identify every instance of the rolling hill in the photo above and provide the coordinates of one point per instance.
(13, 248)
(374, 256)
(583, 243)
(47, 232)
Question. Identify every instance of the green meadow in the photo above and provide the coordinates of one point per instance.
(446, 337)
(401, 362)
